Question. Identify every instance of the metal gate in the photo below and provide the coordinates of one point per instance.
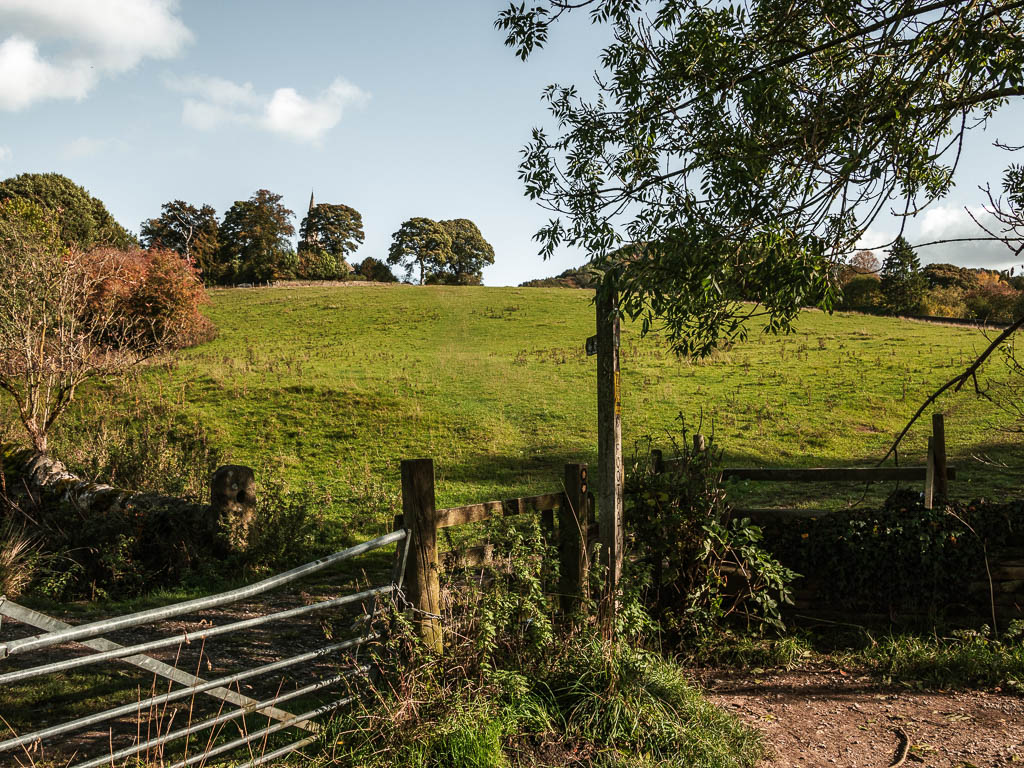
(183, 687)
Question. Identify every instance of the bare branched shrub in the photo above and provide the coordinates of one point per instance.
(68, 316)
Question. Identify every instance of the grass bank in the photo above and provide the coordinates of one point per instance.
(335, 386)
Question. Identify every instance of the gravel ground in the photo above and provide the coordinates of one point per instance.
(833, 718)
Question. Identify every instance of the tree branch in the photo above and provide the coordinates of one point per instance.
(957, 382)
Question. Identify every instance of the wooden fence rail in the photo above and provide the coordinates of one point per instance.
(573, 511)
(570, 508)
(935, 474)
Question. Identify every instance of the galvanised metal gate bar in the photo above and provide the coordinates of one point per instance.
(89, 635)
(191, 606)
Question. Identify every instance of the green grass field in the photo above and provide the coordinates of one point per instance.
(335, 385)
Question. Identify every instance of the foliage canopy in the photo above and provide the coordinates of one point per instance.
(255, 237)
(420, 242)
(326, 234)
(737, 149)
(191, 232)
(451, 252)
(83, 221)
(334, 228)
(470, 253)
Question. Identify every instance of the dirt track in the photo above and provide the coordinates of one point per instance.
(832, 718)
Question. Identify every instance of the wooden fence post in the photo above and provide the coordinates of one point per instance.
(699, 443)
(929, 477)
(657, 461)
(573, 523)
(939, 449)
(418, 512)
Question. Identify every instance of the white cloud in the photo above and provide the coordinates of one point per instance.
(213, 101)
(943, 222)
(84, 39)
(84, 146)
(875, 239)
(216, 90)
(5, 153)
(948, 222)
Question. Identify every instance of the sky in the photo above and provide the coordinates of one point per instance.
(398, 108)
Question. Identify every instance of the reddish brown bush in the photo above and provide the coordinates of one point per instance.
(157, 291)
(994, 301)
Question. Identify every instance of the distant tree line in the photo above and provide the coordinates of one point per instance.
(253, 244)
(899, 285)
(896, 285)
(580, 277)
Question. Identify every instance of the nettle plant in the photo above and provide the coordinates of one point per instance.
(702, 567)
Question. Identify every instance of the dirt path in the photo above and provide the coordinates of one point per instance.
(832, 718)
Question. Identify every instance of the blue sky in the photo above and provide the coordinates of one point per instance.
(398, 108)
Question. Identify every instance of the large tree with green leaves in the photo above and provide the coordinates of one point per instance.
(470, 253)
(327, 234)
(420, 242)
(255, 238)
(83, 221)
(191, 232)
(732, 151)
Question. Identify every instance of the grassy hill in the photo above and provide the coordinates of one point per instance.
(335, 385)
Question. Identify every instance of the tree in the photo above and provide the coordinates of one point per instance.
(83, 220)
(470, 253)
(314, 263)
(333, 229)
(864, 263)
(734, 150)
(861, 292)
(191, 232)
(420, 242)
(375, 270)
(903, 286)
(255, 238)
(861, 264)
(59, 327)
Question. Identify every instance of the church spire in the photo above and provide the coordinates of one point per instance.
(311, 200)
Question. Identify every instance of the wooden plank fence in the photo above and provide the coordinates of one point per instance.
(569, 507)
(934, 475)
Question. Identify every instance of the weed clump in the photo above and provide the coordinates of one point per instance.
(698, 567)
(519, 684)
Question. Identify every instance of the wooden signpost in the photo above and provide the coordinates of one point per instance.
(609, 452)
